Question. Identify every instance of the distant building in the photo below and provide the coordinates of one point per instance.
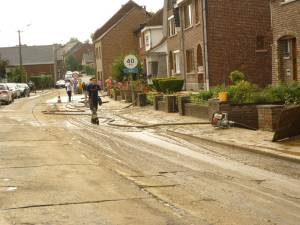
(116, 37)
(286, 40)
(153, 46)
(216, 37)
(36, 60)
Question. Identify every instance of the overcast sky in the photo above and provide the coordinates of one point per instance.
(56, 21)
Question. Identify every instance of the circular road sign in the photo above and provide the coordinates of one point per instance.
(130, 61)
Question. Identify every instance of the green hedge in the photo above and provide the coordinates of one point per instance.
(168, 85)
(42, 82)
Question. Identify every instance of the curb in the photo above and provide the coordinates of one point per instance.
(270, 153)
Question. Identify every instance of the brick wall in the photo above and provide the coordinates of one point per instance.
(193, 37)
(268, 116)
(285, 22)
(36, 70)
(243, 114)
(232, 27)
(84, 49)
(121, 40)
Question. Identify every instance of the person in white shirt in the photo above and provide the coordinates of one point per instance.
(69, 90)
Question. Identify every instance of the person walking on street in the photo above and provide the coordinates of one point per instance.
(93, 92)
(69, 90)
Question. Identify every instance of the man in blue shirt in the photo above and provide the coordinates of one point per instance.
(93, 92)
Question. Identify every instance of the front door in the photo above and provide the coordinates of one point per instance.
(288, 60)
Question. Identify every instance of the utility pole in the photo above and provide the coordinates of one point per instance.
(20, 49)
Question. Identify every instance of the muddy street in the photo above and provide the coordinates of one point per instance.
(61, 170)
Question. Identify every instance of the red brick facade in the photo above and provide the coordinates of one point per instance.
(238, 38)
(119, 39)
(36, 70)
(83, 49)
(286, 40)
(234, 28)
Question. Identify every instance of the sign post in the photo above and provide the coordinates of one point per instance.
(131, 62)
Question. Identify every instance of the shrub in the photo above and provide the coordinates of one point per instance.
(155, 82)
(42, 81)
(150, 97)
(236, 76)
(170, 85)
(243, 93)
(217, 89)
(201, 97)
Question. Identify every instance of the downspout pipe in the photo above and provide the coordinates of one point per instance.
(204, 17)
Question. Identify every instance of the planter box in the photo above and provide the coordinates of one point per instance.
(156, 100)
(196, 110)
(141, 99)
(128, 97)
(171, 103)
(122, 95)
(246, 114)
(182, 100)
(268, 116)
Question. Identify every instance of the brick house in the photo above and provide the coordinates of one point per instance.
(117, 37)
(217, 37)
(286, 40)
(153, 46)
(36, 60)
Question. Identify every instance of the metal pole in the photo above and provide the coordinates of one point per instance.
(20, 49)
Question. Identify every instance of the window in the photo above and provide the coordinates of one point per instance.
(147, 41)
(188, 16)
(171, 63)
(99, 52)
(261, 43)
(153, 66)
(171, 26)
(197, 11)
(141, 41)
(199, 59)
(177, 62)
(286, 48)
(190, 61)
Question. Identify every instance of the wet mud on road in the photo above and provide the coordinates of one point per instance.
(60, 169)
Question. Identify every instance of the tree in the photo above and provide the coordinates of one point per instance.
(17, 75)
(74, 39)
(3, 65)
(118, 70)
(89, 70)
(72, 64)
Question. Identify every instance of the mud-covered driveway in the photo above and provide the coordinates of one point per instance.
(60, 170)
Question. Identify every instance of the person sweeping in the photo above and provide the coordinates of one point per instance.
(94, 99)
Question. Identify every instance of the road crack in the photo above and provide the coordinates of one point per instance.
(73, 203)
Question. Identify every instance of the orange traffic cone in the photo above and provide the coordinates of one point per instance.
(58, 99)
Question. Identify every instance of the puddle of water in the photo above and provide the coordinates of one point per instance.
(8, 189)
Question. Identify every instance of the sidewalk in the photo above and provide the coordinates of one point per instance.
(248, 140)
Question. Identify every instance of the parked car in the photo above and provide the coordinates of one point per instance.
(5, 94)
(16, 92)
(25, 90)
(60, 84)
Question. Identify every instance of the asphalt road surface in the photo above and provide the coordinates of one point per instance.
(61, 170)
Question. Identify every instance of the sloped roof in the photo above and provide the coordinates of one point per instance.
(31, 55)
(156, 19)
(113, 20)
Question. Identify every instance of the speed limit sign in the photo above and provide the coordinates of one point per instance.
(130, 61)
